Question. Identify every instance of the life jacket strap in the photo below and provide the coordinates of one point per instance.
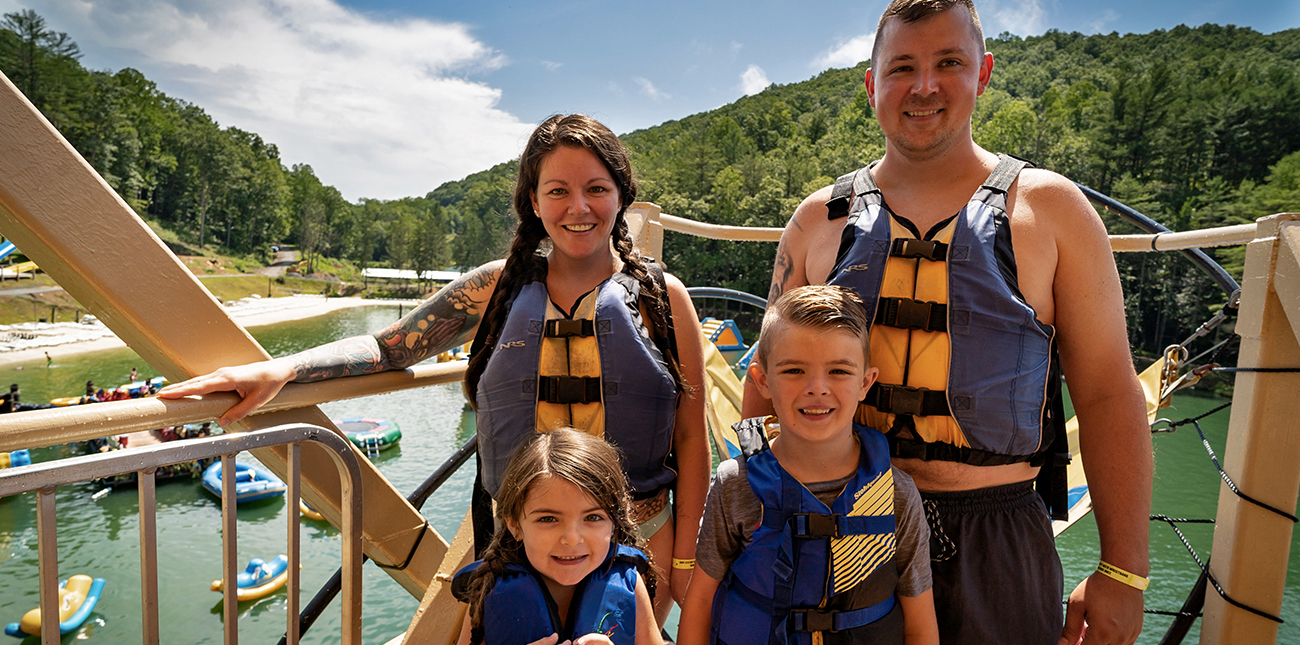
(812, 526)
(559, 328)
(841, 197)
(900, 448)
(568, 389)
(905, 313)
(824, 620)
(913, 401)
(904, 247)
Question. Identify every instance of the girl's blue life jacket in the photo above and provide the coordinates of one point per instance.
(520, 610)
(812, 568)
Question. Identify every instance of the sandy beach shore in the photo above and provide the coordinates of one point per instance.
(29, 342)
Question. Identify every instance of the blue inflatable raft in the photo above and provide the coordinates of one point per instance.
(251, 482)
(259, 578)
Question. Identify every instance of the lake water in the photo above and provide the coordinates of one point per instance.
(100, 538)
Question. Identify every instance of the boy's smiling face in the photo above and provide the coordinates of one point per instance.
(815, 379)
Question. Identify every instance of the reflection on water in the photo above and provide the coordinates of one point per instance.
(101, 537)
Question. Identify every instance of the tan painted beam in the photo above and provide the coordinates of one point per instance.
(1251, 544)
(438, 618)
(62, 214)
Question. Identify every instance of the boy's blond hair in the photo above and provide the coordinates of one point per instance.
(819, 307)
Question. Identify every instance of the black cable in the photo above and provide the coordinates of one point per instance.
(1205, 570)
(1195, 421)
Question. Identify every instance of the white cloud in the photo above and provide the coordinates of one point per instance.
(378, 108)
(753, 80)
(846, 54)
(551, 65)
(1020, 17)
(1107, 17)
(650, 90)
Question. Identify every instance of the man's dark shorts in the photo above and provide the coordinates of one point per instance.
(997, 578)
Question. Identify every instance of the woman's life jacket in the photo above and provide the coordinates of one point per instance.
(595, 368)
(812, 568)
(967, 372)
(519, 608)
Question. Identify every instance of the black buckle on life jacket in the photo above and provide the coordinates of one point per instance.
(812, 620)
(813, 526)
(564, 328)
(914, 401)
(568, 389)
(903, 247)
(905, 313)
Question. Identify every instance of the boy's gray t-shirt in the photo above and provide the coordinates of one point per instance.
(732, 512)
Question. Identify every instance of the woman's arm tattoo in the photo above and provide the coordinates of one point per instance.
(347, 357)
(440, 323)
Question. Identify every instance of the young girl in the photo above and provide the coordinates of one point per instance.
(564, 565)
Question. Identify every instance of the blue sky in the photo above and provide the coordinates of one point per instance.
(390, 98)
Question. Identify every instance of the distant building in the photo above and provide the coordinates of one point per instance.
(406, 274)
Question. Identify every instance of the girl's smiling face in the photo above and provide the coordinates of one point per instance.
(565, 533)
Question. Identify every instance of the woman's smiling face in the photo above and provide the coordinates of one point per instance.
(565, 533)
(577, 201)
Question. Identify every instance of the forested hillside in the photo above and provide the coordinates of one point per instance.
(1193, 126)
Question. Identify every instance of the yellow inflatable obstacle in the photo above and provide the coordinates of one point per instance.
(77, 598)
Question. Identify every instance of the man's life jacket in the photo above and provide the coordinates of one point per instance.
(595, 368)
(812, 569)
(967, 372)
(519, 608)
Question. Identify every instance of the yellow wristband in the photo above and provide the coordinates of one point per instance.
(683, 564)
(1131, 579)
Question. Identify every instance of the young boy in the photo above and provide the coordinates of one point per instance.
(812, 537)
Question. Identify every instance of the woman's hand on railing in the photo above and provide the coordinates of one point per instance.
(256, 383)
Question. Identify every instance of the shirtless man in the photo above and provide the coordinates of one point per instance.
(996, 580)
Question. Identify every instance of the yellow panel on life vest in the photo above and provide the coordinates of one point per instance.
(914, 357)
(572, 356)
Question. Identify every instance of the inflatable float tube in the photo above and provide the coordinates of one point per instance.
(15, 459)
(370, 433)
(259, 579)
(309, 512)
(252, 482)
(139, 388)
(77, 598)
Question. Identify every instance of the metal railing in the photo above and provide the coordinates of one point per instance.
(44, 478)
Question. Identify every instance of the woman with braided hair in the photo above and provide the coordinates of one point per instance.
(572, 328)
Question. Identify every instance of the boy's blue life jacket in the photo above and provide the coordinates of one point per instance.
(967, 371)
(812, 568)
(520, 610)
(595, 368)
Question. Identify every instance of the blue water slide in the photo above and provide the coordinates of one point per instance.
(6, 248)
